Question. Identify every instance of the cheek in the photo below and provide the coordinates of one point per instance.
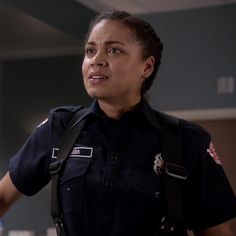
(128, 71)
(84, 67)
(120, 69)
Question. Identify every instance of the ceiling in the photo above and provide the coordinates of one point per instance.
(41, 28)
(24, 36)
(151, 6)
(57, 27)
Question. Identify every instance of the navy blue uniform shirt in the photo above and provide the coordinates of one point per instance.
(111, 184)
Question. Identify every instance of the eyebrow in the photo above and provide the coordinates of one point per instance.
(107, 42)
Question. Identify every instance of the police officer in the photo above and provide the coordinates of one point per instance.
(112, 182)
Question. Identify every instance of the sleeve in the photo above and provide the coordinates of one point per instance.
(209, 198)
(28, 168)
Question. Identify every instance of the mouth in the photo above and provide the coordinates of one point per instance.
(97, 78)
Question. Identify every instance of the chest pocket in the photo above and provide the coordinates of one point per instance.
(73, 183)
(148, 185)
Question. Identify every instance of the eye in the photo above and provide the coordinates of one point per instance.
(89, 51)
(114, 51)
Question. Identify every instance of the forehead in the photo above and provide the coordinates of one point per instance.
(111, 30)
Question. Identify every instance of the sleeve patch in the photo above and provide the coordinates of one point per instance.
(212, 152)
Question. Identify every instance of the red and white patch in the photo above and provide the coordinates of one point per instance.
(212, 152)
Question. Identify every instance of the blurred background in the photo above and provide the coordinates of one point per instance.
(41, 50)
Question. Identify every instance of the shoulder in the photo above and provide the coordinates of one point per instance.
(189, 130)
(64, 111)
(194, 137)
(194, 132)
(57, 119)
(61, 115)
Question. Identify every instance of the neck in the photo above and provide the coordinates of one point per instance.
(115, 110)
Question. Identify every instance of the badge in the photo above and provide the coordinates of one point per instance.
(212, 152)
(158, 166)
(84, 152)
(77, 151)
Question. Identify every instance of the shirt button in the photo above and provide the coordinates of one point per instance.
(103, 216)
(108, 184)
(157, 194)
(114, 157)
(102, 213)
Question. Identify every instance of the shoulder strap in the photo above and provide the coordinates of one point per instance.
(175, 173)
(72, 132)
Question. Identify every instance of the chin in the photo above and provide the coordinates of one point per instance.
(93, 94)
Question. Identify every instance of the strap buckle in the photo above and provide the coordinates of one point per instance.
(176, 171)
(59, 226)
(167, 226)
(55, 167)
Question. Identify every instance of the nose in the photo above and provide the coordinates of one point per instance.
(99, 60)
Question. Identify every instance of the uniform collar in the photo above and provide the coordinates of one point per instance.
(142, 108)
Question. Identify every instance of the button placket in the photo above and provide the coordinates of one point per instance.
(114, 157)
(111, 172)
(109, 184)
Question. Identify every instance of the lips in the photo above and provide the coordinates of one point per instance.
(96, 78)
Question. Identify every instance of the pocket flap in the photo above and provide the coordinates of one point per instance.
(75, 167)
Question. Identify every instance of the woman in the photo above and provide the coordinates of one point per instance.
(111, 184)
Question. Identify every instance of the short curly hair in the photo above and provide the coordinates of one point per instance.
(144, 34)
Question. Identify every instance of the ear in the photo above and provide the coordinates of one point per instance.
(148, 66)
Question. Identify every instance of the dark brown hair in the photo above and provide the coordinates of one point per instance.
(144, 34)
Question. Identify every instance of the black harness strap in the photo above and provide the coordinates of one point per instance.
(174, 176)
(72, 132)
